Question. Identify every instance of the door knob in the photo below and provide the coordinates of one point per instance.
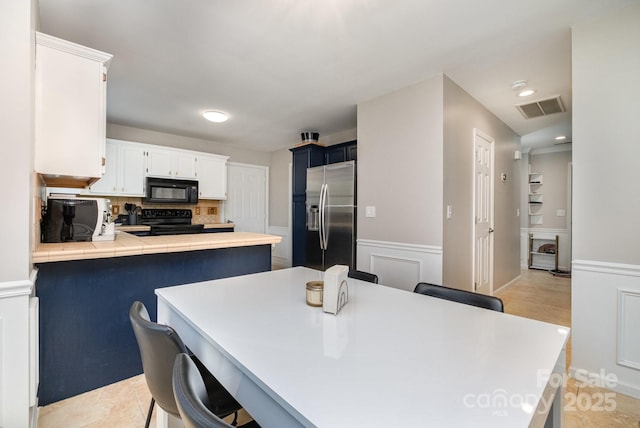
(491, 230)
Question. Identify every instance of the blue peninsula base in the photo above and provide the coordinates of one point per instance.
(86, 340)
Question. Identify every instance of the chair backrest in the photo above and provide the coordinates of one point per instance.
(159, 344)
(460, 296)
(363, 276)
(191, 396)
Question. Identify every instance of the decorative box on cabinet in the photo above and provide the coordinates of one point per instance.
(70, 112)
(125, 166)
(304, 157)
(543, 251)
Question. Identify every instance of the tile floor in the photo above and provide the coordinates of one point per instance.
(537, 295)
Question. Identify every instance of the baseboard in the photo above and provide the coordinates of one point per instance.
(598, 379)
(508, 284)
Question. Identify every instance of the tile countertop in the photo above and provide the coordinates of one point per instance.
(127, 244)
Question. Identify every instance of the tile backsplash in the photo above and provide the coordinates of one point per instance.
(204, 212)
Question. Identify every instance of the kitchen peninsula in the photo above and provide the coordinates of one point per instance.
(86, 289)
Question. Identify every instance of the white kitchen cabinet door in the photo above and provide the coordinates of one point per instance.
(159, 163)
(212, 177)
(185, 165)
(107, 185)
(70, 111)
(131, 163)
(124, 175)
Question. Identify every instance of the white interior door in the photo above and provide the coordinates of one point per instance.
(483, 214)
(246, 203)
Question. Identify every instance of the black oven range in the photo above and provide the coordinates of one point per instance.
(168, 221)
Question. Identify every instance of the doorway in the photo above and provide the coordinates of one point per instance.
(246, 204)
(483, 206)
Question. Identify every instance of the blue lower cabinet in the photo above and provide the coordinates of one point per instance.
(86, 340)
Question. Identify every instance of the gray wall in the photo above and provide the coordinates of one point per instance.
(400, 165)
(554, 168)
(462, 114)
(152, 137)
(606, 136)
(279, 187)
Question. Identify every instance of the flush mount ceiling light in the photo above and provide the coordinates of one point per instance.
(518, 85)
(521, 86)
(561, 137)
(526, 93)
(215, 116)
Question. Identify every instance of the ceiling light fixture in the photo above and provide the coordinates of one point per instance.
(518, 84)
(215, 116)
(561, 137)
(526, 93)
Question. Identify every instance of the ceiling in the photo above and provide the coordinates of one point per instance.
(279, 67)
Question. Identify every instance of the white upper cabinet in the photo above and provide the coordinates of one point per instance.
(124, 175)
(212, 176)
(185, 165)
(171, 163)
(70, 112)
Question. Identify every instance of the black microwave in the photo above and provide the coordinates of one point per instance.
(169, 191)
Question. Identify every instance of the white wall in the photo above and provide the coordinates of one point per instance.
(400, 173)
(17, 24)
(606, 197)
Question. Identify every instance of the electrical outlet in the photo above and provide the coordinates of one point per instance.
(212, 210)
(197, 210)
(115, 209)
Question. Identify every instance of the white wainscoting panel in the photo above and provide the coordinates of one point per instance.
(281, 254)
(629, 328)
(400, 265)
(605, 303)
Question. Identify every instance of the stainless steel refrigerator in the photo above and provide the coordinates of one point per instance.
(331, 215)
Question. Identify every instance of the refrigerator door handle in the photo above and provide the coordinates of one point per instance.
(324, 229)
(321, 215)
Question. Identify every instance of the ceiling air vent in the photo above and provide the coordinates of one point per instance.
(541, 108)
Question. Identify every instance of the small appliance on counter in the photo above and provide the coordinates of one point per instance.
(71, 219)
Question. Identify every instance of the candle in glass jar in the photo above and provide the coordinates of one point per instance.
(314, 293)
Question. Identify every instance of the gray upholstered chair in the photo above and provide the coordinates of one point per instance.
(363, 276)
(159, 344)
(192, 399)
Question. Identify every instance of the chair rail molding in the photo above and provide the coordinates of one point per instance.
(606, 323)
(400, 265)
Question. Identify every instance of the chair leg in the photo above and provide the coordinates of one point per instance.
(153, 401)
(235, 418)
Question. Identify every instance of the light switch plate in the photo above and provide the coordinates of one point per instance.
(370, 211)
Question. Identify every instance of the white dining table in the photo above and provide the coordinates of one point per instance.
(388, 358)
